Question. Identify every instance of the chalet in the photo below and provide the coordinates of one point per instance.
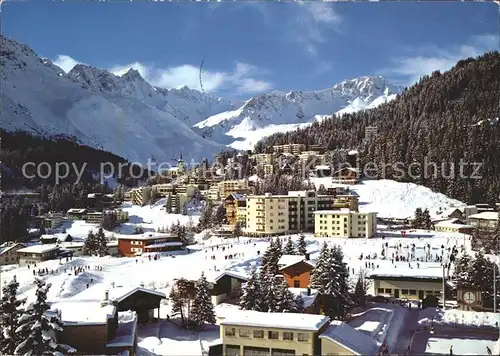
(113, 248)
(232, 203)
(134, 245)
(74, 249)
(487, 220)
(8, 253)
(52, 238)
(37, 253)
(76, 214)
(451, 213)
(323, 171)
(310, 298)
(347, 175)
(93, 328)
(139, 299)
(296, 269)
(454, 225)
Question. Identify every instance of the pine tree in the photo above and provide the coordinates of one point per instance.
(270, 299)
(285, 299)
(289, 248)
(426, 220)
(38, 326)
(90, 244)
(168, 205)
(299, 305)
(237, 232)
(69, 238)
(102, 243)
(269, 264)
(301, 245)
(461, 272)
(9, 317)
(418, 219)
(359, 295)
(251, 298)
(339, 288)
(203, 308)
(320, 273)
(219, 216)
(205, 221)
(180, 297)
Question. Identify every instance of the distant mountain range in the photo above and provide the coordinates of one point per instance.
(129, 117)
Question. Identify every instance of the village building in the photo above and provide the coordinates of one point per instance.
(310, 298)
(233, 204)
(113, 248)
(245, 332)
(264, 159)
(293, 148)
(76, 214)
(282, 214)
(487, 220)
(228, 187)
(141, 300)
(37, 253)
(50, 220)
(52, 238)
(8, 253)
(75, 249)
(139, 196)
(407, 283)
(347, 175)
(454, 225)
(93, 328)
(345, 223)
(135, 245)
(296, 269)
(341, 338)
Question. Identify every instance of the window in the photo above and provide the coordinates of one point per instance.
(258, 334)
(244, 332)
(413, 292)
(230, 331)
(404, 291)
(296, 284)
(303, 337)
(287, 336)
(388, 290)
(380, 290)
(273, 335)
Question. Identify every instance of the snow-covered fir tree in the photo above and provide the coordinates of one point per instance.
(285, 299)
(269, 290)
(339, 288)
(237, 232)
(205, 221)
(289, 248)
(203, 308)
(462, 271)
(301, 245)
(251, 297)
(269, 264)
(279, 246)
(101, 242)
(219, 216)
(320, 273)
(10, 313)
(38, 326)
(360, 289)
(90, 244)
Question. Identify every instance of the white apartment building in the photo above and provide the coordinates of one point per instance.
(344, 223)
(282, 214)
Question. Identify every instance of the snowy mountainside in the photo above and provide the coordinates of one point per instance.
(101, 110)
(265, 114)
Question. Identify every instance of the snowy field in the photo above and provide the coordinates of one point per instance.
(391, 199)
(460, 342)
(70, 292)
(459, 318)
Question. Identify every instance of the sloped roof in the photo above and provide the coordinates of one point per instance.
(120, 294)
(354, 340)
(290, 260)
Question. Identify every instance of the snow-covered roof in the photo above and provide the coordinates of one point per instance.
(323, 167)
(70, 245)
(353, 340)
(404, 271)
(485, 215)
(76, 211)
(81, 312)
(290, 321)
(112, 244)
(60, 237)
(7, 248)
(39, 248)
(343, 211)
(164, 244)
(125, 334)
(290, 260)
(146, 236)
(452, 223)
(234, 274)
(353, 152)
(302, 292)
(121, 293)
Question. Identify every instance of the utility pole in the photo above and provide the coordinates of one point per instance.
(444, 287)
(495, 285)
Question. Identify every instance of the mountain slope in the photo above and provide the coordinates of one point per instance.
(101, 110)
(446, 124)
(278, 112)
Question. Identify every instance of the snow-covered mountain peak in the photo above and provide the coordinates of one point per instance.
(276, 111)
(94, 79)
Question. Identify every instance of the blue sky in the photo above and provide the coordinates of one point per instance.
(253, 47)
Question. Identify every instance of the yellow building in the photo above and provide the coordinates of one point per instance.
(246, 332)
(213, 193)
(344, 223)
(281, 214)
(228, 187)
(264, 158)
(232, 204)
(293, 148)
(141, 195)
(407, 283)
(453, 225)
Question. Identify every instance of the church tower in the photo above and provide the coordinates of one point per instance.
(180, 165)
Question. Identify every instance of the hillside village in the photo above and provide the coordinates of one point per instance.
(192, 262)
